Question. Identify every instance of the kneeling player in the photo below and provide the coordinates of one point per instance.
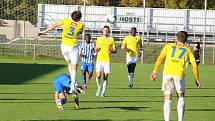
(62, 84)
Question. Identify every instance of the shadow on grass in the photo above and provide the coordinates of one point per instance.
(69, 120)
(118, 107)
(93, 120)
(17, 73)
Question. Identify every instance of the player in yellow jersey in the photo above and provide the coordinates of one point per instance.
(105, 45)
(176, 55)
(69, 48)
(130, 44)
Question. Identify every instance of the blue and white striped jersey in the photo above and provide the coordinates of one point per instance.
(88, 50)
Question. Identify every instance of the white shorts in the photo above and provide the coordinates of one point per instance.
(131, 59)
(104, 67)
(173, 82)
(70, 53)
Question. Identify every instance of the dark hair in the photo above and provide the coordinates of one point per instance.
(87, 35)
(134, 29)
(107, 27)
(182, 36)
(76, 15)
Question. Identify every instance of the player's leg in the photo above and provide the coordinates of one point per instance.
(107, 70)
(99, 69)
(83, 69)
(180, 106)
(73, 57)
(76, 100)
(131, 64)
(60, 98)
(70, 54)
(167, 88)
(180, 88)
(167, 106)
(90, 71)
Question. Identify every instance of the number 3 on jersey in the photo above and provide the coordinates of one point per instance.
(183, 51)
(71, 31)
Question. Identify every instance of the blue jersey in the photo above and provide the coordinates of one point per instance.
(62, 83)
(88, 50)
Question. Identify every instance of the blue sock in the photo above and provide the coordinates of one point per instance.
(63, 100)
(84, 79)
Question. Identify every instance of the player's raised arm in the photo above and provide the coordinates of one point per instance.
(53, 26)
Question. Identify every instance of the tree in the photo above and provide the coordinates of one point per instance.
(131, 3)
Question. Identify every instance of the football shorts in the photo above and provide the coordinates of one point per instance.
(104, 67)
(70, 53)
(131, 59)
(171, 83)
(87, 66)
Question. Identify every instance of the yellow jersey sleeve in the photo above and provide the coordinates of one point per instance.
(105, 45)
(160, 59)
(124, 42)
(194, 65)
(71, 31)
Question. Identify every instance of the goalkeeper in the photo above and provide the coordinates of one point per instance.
(62, 84)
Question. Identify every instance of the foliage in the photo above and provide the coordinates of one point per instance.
(27, 9)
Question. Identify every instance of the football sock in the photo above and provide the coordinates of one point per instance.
(180, 108)
(167, 109)
(98, 83)
(73, 76)
(84, 79)
(104, 87)
(130, 78)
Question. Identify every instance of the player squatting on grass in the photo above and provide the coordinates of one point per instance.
(62, 84)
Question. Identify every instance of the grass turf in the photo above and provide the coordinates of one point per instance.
(27, 93)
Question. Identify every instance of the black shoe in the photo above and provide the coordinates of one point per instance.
(130, 86)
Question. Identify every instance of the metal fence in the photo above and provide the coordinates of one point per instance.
(19, 38)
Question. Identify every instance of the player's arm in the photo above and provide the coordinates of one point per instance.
(81, 51)
(158, 62)
(140, 47)
(195, 69)
(113, 48)
(98, 45)
(76, 100)
(124, 45)
(81, 30)
(53, 26)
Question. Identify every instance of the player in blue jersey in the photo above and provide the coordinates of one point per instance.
(62, 84)
(87, 54)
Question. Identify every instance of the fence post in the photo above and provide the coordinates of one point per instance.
(34, 54)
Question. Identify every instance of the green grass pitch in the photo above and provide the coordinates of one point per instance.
(27, 93)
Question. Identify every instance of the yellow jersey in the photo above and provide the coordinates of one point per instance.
(71, 30)
(175, 60)
(105, 46)
(132, 43)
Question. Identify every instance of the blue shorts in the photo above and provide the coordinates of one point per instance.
(59, 88)
(87, 67)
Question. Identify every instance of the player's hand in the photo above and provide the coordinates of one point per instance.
(128, 50)
(82, 56)
(41, 33)
(139, 53)
(153, 76)
(198, 83)
(98, 49)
